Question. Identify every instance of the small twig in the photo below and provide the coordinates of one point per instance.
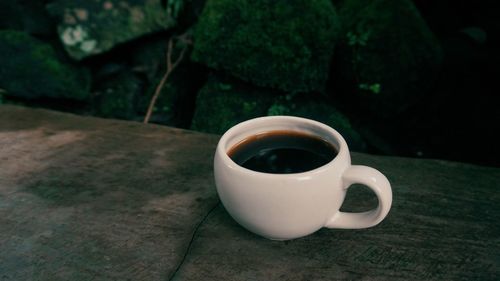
(170, 67)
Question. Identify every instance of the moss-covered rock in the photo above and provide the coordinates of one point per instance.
(91, 27)
(9, 15)
(225, 102)
(30, 69)
(175, 104)
(116, 96)
(320, 110)
(282, 44)
(388, 57)
(28, 16)
(222, 103)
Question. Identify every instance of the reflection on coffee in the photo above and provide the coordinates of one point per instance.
(282, 152)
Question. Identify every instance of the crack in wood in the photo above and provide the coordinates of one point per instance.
(192, 241)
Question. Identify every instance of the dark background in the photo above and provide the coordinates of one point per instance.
(454, 117)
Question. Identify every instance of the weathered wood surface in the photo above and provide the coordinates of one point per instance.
(444, 225)
(92, 199)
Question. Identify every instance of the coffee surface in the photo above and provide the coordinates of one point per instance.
(282, 152)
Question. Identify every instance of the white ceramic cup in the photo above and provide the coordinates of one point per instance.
(288, 206)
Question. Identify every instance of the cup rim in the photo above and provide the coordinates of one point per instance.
(222, 144)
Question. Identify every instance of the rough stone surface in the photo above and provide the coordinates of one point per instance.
(31, 69)
(25, 15)
(91, 27)
(9, 15)
(387, 59)
(319, 109)
(116, 96)
(176, 102)
(282, 44)
(92, 199)
(224, 102)
(125, 91)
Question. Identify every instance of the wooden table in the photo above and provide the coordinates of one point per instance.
(83, 198)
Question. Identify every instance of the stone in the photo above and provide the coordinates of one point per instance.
(149, 57)
(176, 102)
(9, 15)
(388, 57)
(27, 16)
(130, 85)
(225, 102)
(30, 69)
(88, 28)
(116, 96)
(287, 45)
(317, 108)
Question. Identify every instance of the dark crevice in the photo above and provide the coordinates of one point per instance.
(192, 241)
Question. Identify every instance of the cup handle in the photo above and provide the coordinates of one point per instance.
(377, 182)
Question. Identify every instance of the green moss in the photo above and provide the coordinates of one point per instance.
(287, 45)
(31, 69)
(388, 54)
(116, 97)
(149, 16)
(278, 109)
(28, 16)
(320, 110)
(165, 108)
(218, 110)
(174, 7)
(10, 11)
(374, 88)
(14, 37)
(175, 103)
(104, 28)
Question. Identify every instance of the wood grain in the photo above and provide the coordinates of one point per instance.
(94, 199)
(84, 198)
(444, 225)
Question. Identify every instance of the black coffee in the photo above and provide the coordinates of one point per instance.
(282, 152)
